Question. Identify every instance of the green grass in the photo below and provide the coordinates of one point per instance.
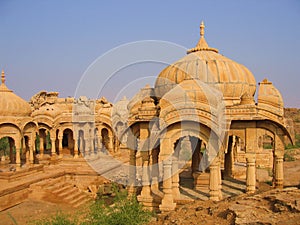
(122, 211)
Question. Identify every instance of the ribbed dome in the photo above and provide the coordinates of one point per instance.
(191, 100)
(234, 80)
(10, 103)
(270, 98)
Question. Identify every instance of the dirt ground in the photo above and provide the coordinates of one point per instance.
(265, 207)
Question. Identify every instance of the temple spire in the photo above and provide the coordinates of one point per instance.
(202, 29)
(3, 77)
(202, 44)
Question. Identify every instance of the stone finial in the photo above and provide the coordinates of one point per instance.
(202, 29)
(202, 45)
(3, 77)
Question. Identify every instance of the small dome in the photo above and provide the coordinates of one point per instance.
(234, 80)
(191, 100)
(10, 103)
(270, 98)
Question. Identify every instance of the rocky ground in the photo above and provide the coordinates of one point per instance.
(267, 206)
(271, 207)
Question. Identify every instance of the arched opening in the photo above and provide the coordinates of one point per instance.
(190, 154)
(68, 142)
(8, 149)
(105, 140)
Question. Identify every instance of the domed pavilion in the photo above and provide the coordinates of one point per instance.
(201, 121)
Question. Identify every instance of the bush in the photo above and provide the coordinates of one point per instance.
(123, 211)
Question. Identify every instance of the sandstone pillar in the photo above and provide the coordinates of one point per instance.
(155, 170)
(278, 160)
(250, 174)
(132, 172)
(76, 148)
(214, 180)
(18, 155)
(60, 146)
(220, 181)
(110, 144)
(279, 171)
(41, 146)
(31, 156)
(167, 203)
(92, 148)
(53, 148)
(175, 178)
(145, 196)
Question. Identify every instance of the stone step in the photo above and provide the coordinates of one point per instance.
(50, 182)
(79, 199)
(84, 201)
(57, 186)
(68, 191)
(75, 194)
(63, 189)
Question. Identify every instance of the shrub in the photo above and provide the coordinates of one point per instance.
(123, 211)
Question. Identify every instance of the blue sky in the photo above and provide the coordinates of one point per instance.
(48, 45)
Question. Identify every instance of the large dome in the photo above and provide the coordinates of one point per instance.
(205, 64)
(10, 103)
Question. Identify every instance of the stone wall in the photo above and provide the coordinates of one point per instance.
(294, 114)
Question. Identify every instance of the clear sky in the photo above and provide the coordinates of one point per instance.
(48, 45)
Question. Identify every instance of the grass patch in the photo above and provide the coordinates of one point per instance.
(122, 210)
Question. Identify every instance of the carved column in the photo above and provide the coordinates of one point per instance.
(175, 178)
(92, 149)
(81, 145)
(60, 146)
(18, 156)
(250, 174)
(76, 149)
(146, 191)
(278, 160)
(214, 180)
(144, 150)
(167, 203)
(41, 146)
(53, 148)
(279, 171)
(30, 146)
(132, 172)
(110, 143)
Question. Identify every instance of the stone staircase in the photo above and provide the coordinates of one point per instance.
(60, 191)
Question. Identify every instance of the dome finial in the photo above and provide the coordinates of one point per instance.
(202, 44)
(3, 77)
(202, 29)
